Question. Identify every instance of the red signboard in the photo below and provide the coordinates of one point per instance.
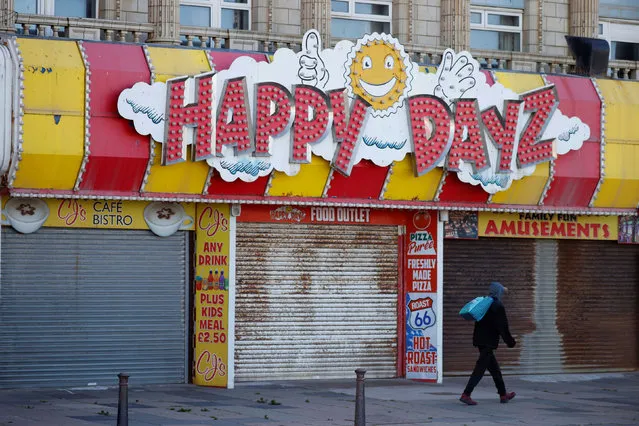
(321, 215)
(420, 289)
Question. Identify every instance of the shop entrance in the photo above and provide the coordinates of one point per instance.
(79, 306)
(316, 301)
(572, 304)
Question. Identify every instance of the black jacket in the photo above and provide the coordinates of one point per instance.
(493, 325)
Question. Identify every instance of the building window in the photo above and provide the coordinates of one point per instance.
(66, 8)
(227, 14)
(623, 40)
(624, 51)
(511, 4)
(619, 9)
(492, 29)
(353, 19)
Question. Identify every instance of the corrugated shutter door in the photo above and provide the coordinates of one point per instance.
(572, 305)
(541, 343)
(315, 301)
(80, 306)
(597, 305)
(469, 267)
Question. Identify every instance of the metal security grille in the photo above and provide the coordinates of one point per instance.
(597, 304)
(572, 305)
(315, 301)
(469, 267)
(80, 306)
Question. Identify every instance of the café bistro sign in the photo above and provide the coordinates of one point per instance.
(363, 100)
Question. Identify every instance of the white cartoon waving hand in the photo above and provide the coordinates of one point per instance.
(454, 76)
(312, 68)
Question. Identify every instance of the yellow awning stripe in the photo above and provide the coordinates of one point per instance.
(403, 185)
(309, 182)
(620, 187)
(54, 105)
(187, 177)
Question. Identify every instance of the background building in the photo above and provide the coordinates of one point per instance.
(510, 34)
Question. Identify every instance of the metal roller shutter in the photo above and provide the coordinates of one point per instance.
(572, 305)
(597, 305)
(469, 267)
(541, 342)
(80, 306)
(315, 301)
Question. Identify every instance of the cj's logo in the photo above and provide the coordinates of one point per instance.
(70, 211)
(288, 213)
(209, 366)
(212, 220)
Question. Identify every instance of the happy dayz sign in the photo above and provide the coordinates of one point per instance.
(363, 100)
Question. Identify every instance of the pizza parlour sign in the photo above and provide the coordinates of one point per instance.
(363, 100)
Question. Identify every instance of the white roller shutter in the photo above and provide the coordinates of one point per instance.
(78, 306)
(315, 301)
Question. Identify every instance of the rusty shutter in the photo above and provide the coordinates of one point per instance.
(597, 305)
(572, 305)
(315, 301)
(469, 267)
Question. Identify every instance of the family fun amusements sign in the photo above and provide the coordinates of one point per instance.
(363, 100)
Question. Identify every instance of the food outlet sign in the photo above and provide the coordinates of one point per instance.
(321, 215)
(363, 100)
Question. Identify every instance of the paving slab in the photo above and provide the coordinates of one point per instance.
(580, 399)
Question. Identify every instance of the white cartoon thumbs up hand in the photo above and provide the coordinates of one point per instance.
(312, 69)
(454, 76)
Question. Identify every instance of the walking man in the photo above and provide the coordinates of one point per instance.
(486, 338)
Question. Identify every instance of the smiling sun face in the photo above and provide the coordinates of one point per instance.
(378, 71)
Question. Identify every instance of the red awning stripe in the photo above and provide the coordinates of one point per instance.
(365, 181)
(574, 175)
(118, 154)
(151, 157)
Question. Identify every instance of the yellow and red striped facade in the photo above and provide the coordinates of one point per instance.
(73, 143)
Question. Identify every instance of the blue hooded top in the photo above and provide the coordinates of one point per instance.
(495, 323)
(496, 290)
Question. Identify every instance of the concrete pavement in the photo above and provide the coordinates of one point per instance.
(601, 399)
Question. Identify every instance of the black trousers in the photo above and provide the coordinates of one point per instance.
(486, 361)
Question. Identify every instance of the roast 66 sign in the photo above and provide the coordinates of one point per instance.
(363, 100)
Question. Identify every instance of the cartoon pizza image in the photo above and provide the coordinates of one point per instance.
(379, 71)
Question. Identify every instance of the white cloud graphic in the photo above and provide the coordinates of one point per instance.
(245, 167)
(383, 140)
(569, 132)
(144, 104)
